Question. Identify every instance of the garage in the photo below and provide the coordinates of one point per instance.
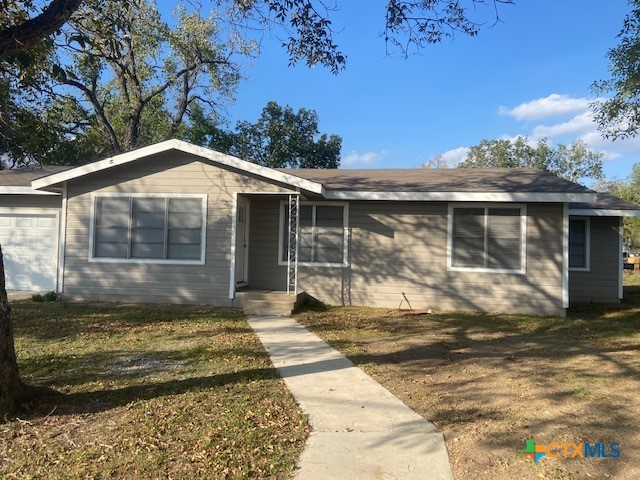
(29, 244)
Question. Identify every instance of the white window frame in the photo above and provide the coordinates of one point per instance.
(587, 244)
(523, 237)
(345, 221)
(92, 220)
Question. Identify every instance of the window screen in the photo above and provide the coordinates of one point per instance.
(148, 228)
(487, 238)
(321, 231)
(578, 243)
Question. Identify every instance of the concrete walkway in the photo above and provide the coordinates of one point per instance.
(360, 430)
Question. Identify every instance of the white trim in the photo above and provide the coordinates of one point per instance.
(601, 212)
(587, 246)
(7, 190)
(185, 147)
(620, 258)
(565, 255)
(63, 240)
(234, 226)
(203, 236)
(523, 238)
(345, 249)
(523, 197)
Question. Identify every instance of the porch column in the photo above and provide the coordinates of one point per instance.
(292, 244)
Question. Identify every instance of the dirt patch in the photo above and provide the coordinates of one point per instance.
(141, 365)
(490, 383)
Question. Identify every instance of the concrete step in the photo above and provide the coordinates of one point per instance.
(268, 303)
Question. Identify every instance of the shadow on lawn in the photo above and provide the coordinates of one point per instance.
(548, 378)
(106, 399)
(58, 320)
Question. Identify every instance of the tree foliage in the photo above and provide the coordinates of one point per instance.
(25, 28)
(629, 190)
(573, 162)
(619, 116)
(305, 26)
(280, 138)
(134, 77)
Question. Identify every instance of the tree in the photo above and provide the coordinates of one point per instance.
(307, 24)
(135, 77)
(619, 116)
(574, 162)
(19, 33)
(629, 190)
(436, 162)
(279, 138)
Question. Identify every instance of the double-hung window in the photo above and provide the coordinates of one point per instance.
(322, 234)
(148, 228)
(579, 243)
(488, 239)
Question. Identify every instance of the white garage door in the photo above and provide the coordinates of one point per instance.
(30, 250)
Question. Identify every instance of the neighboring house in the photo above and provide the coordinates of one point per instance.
(173, 222)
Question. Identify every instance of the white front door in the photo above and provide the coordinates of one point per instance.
(242, 240)
(29, 245)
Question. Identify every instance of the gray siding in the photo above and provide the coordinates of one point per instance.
(165, 173)
(398, 248)
(600, 283)
(31, 201)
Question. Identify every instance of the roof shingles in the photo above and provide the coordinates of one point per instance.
(22, 177)
(508, 180)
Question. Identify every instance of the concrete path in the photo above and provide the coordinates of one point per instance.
(360, 430)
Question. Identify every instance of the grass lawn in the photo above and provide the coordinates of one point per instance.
(490, 382)
(149, 392)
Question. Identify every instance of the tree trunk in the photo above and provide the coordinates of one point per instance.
(11, 386)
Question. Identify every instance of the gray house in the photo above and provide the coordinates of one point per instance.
(178, 223)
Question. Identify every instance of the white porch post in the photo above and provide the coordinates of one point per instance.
(292, 244)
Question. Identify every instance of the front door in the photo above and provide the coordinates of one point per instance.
(242, 241)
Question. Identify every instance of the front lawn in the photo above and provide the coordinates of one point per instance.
(491, 382)
(148, 392)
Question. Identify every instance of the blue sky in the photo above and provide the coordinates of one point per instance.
(530, 75)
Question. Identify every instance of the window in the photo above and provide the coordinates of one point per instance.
(150, 228)
(579, 244)
(321, 234)
(487, 239)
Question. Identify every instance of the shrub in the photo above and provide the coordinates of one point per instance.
(47, 297)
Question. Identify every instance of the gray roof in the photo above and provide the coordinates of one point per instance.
(606, 201)
(508, 180)
(22, 177)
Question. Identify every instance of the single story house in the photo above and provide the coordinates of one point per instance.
(174, 222)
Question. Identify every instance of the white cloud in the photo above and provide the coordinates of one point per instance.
(357, 159)
(455, 156)
(580, 123)
(554, 104)
(611, 149)
(576, 123)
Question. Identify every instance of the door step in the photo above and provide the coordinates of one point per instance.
(281, 304)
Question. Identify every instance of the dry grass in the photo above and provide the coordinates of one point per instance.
(490, 382)
(631, 278)
(148, 392)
